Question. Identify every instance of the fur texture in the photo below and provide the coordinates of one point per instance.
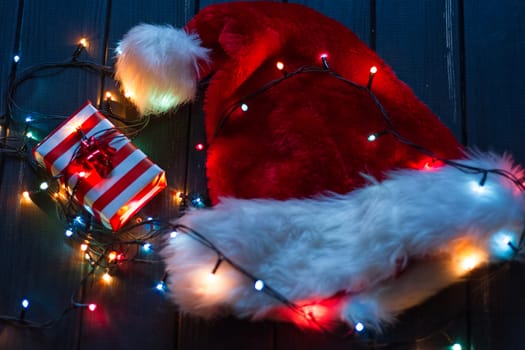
(308, 134)
(158, 66)
(377, 245)
(302, 137)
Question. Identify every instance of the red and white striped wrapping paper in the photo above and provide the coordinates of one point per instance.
(134, 179)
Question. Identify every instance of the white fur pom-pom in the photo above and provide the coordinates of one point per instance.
(158, 66)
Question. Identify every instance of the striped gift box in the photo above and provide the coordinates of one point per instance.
(112, 198)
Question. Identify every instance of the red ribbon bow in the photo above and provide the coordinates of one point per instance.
(96, 153)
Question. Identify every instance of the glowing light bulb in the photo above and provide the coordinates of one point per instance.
(29, 119)
(244, 107)
(372, 137)
(324, 59)
(25, 303)
(29, 135)
(81, 174)
(16, 58)
(160, 286)
(112, 256)
(373, 71)
(26, 195)
(106, 277)
(68, 232)
(199, 147)
(87, 257)
(477, 188)
(502, 244)
(279, 65)
(79, 220)
(128, 94)
(456, 346)
(83, 42)
(211, 278)
(359, 327)
(173, 234)
(146, 247)
(44, 186)
(469, 262)
(92, 307)
(108, 95)
(83, 247)
(258, 285)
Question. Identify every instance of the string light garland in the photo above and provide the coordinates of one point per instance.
(104, 251)
(391, 130)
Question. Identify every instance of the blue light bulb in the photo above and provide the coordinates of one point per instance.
(160, 286)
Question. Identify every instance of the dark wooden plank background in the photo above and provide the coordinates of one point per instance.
(463, 58)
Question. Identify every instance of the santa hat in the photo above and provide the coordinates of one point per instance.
(293, 110)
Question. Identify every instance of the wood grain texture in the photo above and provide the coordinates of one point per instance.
(353, 14)
(8, 34)
(494, 54)
(418, 39)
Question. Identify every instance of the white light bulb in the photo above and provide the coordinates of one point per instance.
(258, 285)
(372, 137)
(16, 58)
(477, 188)
(244, 107)
(25, 303)
(173, 234)
(44, 186)
(160, 286)
(69, 233)
(359, 327)
(456, 347)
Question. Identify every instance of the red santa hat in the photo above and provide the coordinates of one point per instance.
(303, 136)
(293, 111)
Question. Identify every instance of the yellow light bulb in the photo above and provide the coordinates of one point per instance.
(469, 262)
(83, 247)
(106, 277)
(83, 42)
(26, 196)
(108, 95)
(112, 256)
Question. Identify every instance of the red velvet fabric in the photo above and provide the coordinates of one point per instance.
(308, 134)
